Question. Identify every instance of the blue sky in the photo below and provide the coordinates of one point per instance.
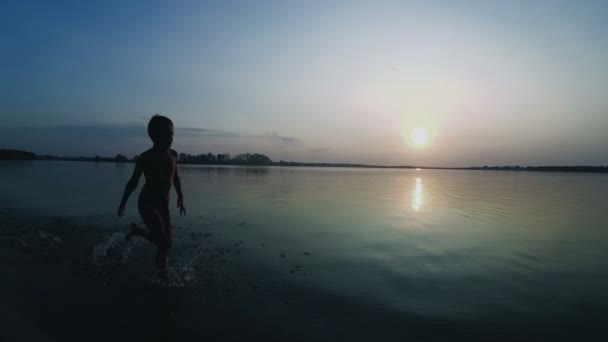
(492, 82)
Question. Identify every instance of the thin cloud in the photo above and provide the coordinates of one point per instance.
(93, 139)
(204, 132)
(278, 137)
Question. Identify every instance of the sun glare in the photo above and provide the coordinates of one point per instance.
(419, 136)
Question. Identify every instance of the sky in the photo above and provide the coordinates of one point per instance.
(488, 82)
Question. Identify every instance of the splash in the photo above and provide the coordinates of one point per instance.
(183, 273)
(176, 277)
(42, 241)
(53, 239)
(111, 249)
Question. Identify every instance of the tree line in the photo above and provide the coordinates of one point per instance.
(260, 159)
(225, 159)
(183, 158)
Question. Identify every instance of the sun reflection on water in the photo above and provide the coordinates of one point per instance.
(417, 195)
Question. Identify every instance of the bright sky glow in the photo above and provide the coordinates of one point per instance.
(491, 82)
(419, 136)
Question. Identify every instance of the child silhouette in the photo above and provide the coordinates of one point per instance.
(159, 166)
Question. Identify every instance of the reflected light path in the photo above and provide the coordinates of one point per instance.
(417, 195)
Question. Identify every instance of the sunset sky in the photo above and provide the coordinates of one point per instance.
(437, 83)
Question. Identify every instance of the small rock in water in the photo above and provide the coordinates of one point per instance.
(306, 253)
(296, 268)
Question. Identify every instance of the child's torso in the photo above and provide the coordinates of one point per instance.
(159, 169)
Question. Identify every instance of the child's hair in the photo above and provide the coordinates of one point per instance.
(157, 125)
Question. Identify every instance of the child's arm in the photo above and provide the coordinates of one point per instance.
(131, 185)
(178, 188)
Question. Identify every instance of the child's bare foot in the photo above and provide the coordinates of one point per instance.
(134, 230)
(161, 276)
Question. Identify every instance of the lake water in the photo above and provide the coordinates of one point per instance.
(307, 254)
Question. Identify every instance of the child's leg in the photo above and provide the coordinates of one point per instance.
(164, 239)
(135, 230)
(155, 222)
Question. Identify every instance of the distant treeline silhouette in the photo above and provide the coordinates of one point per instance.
(263, 160)
(225, 159)
(16, 155)
(542, 168)
(205, 158)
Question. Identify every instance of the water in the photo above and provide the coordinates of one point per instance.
(307, 254)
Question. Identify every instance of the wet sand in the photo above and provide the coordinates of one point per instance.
(71, 281)
(68, 280)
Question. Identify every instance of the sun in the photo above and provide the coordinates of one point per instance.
(419, 136)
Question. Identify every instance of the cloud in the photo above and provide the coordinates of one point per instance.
(204, 132)
(129, 139)
(276, 136)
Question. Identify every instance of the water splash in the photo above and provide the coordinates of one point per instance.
(183, 273)
(102, 251)
(126, 254)
(176, 277)
(50, 237)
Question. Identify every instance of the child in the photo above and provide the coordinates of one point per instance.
(159, 166)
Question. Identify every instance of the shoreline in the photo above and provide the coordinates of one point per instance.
(548, 169)
(260, 160)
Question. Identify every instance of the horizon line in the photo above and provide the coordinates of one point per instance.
(328, 164)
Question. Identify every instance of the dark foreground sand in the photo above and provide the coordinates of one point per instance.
(68, 281)
(64, 279)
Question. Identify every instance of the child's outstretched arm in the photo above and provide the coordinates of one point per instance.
(178, 188)
(131, 185)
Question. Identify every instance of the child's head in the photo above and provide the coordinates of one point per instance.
(160, 130)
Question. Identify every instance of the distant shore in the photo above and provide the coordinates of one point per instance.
(247, 159)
